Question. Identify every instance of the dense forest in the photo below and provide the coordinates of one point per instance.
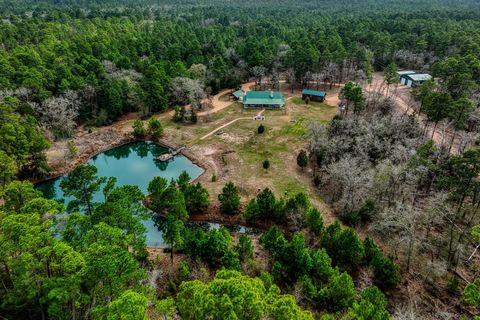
(405, 242)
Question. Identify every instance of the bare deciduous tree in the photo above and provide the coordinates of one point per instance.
(258, 72)
(58, 114)
(401, 222)
(466, 139)
(187, 91)
(410, 60)
(406, 312)
(331, 73)
(350, 184)
(291, 78)
(21, 93)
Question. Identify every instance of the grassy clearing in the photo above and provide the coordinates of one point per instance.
(285, 135)
(297, 128)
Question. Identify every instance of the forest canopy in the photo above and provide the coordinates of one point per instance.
(407, 208)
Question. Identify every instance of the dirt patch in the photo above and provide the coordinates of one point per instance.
(88, 145)
(212, 159)
(230, 138)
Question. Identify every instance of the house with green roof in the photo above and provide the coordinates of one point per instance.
(313, 95)
(264, 100)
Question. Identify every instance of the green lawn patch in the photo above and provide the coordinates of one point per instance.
(297, 129)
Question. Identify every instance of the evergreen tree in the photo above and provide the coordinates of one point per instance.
(302, 159)
(229, 199)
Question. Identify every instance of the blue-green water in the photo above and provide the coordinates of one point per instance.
(132, 164)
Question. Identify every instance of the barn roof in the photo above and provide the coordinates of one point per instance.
(239, 93)
(405, 72)
(264, 97)
(314, 93)
(420, 77)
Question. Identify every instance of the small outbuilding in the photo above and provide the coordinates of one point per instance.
(414, 80)
(264, 99)
(402, 74)
(314, 95)
(238, 95)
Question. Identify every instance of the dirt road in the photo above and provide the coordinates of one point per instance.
(401, 94)
(223, 126)
(218, 104)
(229, 123)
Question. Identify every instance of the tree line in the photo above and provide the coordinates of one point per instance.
(67, 66)
(380, 171)
(89, 259)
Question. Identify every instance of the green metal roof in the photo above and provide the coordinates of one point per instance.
(264, 98)
(405, 72)
(314, 93)
(419, 77)
(239, 94)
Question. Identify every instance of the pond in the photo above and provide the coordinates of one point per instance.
(132, 164)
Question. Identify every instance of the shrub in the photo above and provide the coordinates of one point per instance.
(453, 285)
(193, 117)
(352, 218)
(179, 114)
(266, 164)
(155, 128)
(367, 211)
(471, 293)
(183, 272)
(72, 149)
(138, 129)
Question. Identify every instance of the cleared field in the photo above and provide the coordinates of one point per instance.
(237, 151)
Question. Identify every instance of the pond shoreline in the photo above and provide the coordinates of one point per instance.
(91, 152)
(131, 163)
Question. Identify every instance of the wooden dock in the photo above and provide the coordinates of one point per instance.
(169, 155)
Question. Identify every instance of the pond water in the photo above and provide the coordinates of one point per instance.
(132, 164)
